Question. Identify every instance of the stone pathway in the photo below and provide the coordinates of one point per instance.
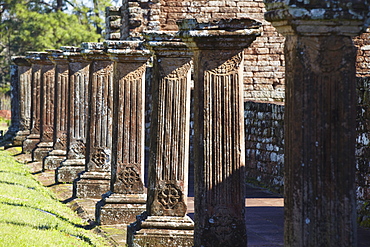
(264, 212)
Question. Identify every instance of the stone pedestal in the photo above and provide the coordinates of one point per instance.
(42, 68)
(24, 100)
(77, 116)
(218, 128)
(320, 112)
(128, 197)
(164, 223)
(61, 110)
(95, 180)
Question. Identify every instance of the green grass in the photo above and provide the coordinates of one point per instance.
(30, 215)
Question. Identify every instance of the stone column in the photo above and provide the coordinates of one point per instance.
(22, 101)
(95, 180)
(320, 113)
(78, 98)
(127, 198)
(46, 112)
(164, 221)
(218, 128)
(61, 110)
(42, 69)
(15, 111)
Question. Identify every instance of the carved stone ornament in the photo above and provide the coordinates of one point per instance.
(62, 140)
(79, 148)
(48, 132)
(228, 67)
(178, 73)
(100, 157)
(128, 179)
(169, 196)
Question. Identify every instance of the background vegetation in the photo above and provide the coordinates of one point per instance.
(36, 25)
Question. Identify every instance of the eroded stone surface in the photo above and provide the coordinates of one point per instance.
(167, 224)
(77, 116)
(218, 129)
(58, 153)
(95, 180)
(319, 118)
(22, 102)
(127, 184)
(42, 69)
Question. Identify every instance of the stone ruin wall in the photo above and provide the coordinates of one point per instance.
(263, 82)
(264, 126)
(264, 59)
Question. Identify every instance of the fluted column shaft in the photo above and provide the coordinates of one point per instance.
(78, 102)
(219, 129)
(169, 148)
(42, 81)
(95, 181)
(128, 197)
(24, 76)
(61, 110)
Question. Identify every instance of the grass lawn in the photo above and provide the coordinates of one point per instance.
(30, 215)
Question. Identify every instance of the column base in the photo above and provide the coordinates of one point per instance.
(161, 231)
(68, 170)
(119, 208)
(19, 137)
(41, 151)
(30, 143)
(92, 184)
(53, 160)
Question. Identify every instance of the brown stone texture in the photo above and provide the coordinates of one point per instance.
(40, 65)
(113, 22)
(319, 119)
(320, 142)
(164, 222)
(127, 184)
(24, 73)
(61, 110)
(169, 130)
(79, 74)
(46, 112)
(362, 42)
(264, 59)
(95, 180)
(219, 150)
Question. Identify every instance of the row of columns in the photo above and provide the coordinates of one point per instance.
(86, 121)
(320, 103)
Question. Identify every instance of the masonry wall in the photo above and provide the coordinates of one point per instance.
(265, 146)
(264, 134)
(264, 60)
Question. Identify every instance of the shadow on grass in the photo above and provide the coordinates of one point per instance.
(16, 184)
(46, 227)
(86, 227)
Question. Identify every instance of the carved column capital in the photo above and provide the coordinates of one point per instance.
(166, 44)
(234, 34)
(127, 51)
(21, 61)
(316, 17)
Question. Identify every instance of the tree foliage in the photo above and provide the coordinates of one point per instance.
(36, 25)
